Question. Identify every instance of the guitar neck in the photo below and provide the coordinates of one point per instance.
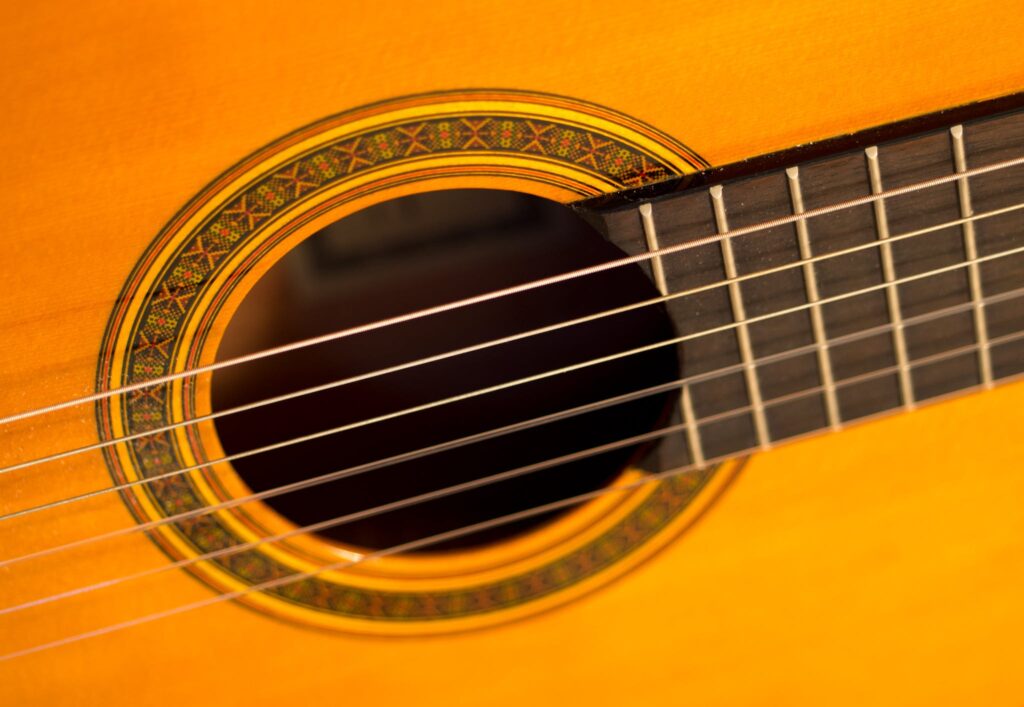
(838, 282)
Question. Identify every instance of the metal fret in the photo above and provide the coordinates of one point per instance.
(889, 273)
(904, 230)
(813, 297)
(685, 399)
(971, 251)
(740, 317)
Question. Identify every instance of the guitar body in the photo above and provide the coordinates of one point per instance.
(881, 563)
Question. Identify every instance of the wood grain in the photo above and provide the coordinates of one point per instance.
(881, 564)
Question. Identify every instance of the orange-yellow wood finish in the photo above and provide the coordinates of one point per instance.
(881, 564)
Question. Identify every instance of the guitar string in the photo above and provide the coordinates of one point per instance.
(512, 290)
(805, 215)
(482, 346)
(388, 461)
(524, 470)
(326, 478)
(528, 379)
(431, 539)
(344, 564)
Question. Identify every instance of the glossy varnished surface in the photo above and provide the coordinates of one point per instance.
(881, 564)
(122, 115)
(878, 564)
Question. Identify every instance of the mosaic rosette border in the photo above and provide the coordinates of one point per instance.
(156, 336)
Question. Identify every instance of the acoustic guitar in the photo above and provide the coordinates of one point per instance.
(512, 353)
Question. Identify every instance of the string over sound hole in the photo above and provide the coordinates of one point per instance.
(405, 255)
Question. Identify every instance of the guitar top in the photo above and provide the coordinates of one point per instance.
(511, 354)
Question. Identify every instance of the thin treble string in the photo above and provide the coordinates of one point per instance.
(389, 461)
(537, 377)
(344, 564)
(521, 471)
(437, 538)
(489, 344)
(515, 289)
(331, 476)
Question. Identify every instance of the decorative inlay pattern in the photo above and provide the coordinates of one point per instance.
(186, 264)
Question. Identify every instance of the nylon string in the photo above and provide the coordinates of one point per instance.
(488, 344)
(547, 374)
(458, 488)
(520, 471)
(515, 289)
(333, 476)
(426, 541)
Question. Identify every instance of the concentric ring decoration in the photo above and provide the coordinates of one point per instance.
(176, 302)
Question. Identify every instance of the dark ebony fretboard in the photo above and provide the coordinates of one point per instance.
(895, 322)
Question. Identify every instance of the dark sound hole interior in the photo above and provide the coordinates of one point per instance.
(412, 253)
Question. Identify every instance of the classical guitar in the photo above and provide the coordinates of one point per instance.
(525, 353)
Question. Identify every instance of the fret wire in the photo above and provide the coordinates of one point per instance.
(889, 273)
(651, 238)
(693, 438)
(971, 251)
(814, 297)
(446, 535)
(740, 316)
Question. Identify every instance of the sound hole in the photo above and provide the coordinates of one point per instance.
(405, 255)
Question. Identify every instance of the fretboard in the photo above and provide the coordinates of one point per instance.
(830, 316)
